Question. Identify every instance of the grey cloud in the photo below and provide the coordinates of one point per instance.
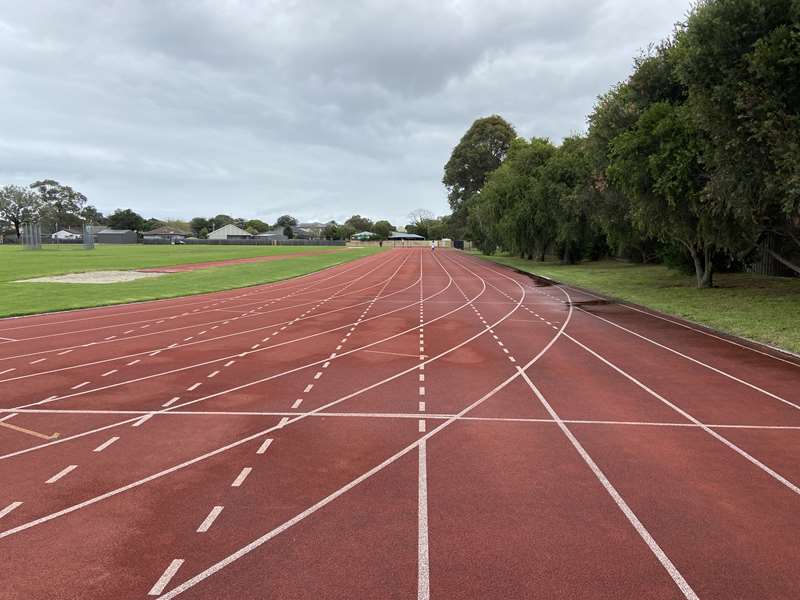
(322, 109)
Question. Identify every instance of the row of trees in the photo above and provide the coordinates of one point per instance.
(694, 160)
(46, 201)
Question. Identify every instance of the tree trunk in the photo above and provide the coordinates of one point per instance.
(706, 281)
(16, 228)
(702, 265)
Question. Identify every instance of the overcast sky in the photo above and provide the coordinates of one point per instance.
(321, 109)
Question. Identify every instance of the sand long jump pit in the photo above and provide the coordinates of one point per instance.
(93, 277)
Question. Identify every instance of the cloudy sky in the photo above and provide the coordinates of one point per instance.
(318, 108)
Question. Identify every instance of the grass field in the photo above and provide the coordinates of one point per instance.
(26, 298)
(766, 309)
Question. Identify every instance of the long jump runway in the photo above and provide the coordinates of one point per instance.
(414, 424)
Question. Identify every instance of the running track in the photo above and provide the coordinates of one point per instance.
(411, 424)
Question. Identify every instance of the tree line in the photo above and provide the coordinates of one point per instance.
(693, 161)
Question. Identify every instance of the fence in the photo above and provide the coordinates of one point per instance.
(32, 236)
(399, 244)
(251, 242)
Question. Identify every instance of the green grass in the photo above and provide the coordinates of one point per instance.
(18, 298)
(766, 309)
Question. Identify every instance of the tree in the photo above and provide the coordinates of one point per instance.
(286, 221)
(60, 203)
(222, 220)
(345, 232)
(256, 225)
(151, 224)
(198, 224)
(359, 223)
(383, 229)
(288, 232)
(19, 205)
(92, 216)
(331, 231)
(479, 152)
(740, 60)
(126, 219)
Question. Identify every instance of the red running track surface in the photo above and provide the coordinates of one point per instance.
(413, 424)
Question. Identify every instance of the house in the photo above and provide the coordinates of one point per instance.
(313, 229)
(364, 236)
(402, 235)
(67, 234)
(275, 234)
(166, 233)
(116, 236)
(230, 232)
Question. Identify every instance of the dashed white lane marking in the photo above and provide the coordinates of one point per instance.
(170, 402)
(421, 407)
(422, 376)
(209, 520)
(164, 580)
(144, 419)
(193, 387)
(423, 564)
(255, 346)
(318, 374)
(309, 387)
(133, 362)
(326, 364)
(241, 477)
(64, 352)
(263, 447)
(80, 385)
(8, 371)
(213, 374)
(111, 337)
(297, 403)
(106, 444)
(229, 363)
(282, 423)
(421, 390)
(33, 362)
(61, 473)
(9, 508)
(422, 425)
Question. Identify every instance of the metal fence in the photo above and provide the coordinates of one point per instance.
(32, 236)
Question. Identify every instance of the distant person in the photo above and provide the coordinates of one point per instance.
(433, 245)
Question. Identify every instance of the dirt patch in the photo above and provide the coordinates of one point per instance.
(93, 277)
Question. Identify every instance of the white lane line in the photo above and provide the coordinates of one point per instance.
(61, 473)
(229, 363)
(423, 564)
(696, 361)
(263, 447)
(648, 539)
(422, 376)
(193, 387)
(64, 352)
(421, 407)
(127, 332)
(209, 520)
(421, 390)
(80, 385)
(318, 374)
(283, 422)
(422, 425)
(133, 362)
(33, 362)
(326, 365)
(106, 444)
(213, 374)
(297, 403)
(145, 418)
(9, 416)
(241, 477)
(164, 580)
(774, 474)
(170, 402)
(309, 387)
(9, 508)
(8, 371)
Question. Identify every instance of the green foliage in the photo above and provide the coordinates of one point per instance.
(480, 151)
(383, 229)
(359, 223)
(126, 219)
(286, 221)
(256, 225)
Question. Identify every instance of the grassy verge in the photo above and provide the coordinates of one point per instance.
(27, 298)
(765, 309)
